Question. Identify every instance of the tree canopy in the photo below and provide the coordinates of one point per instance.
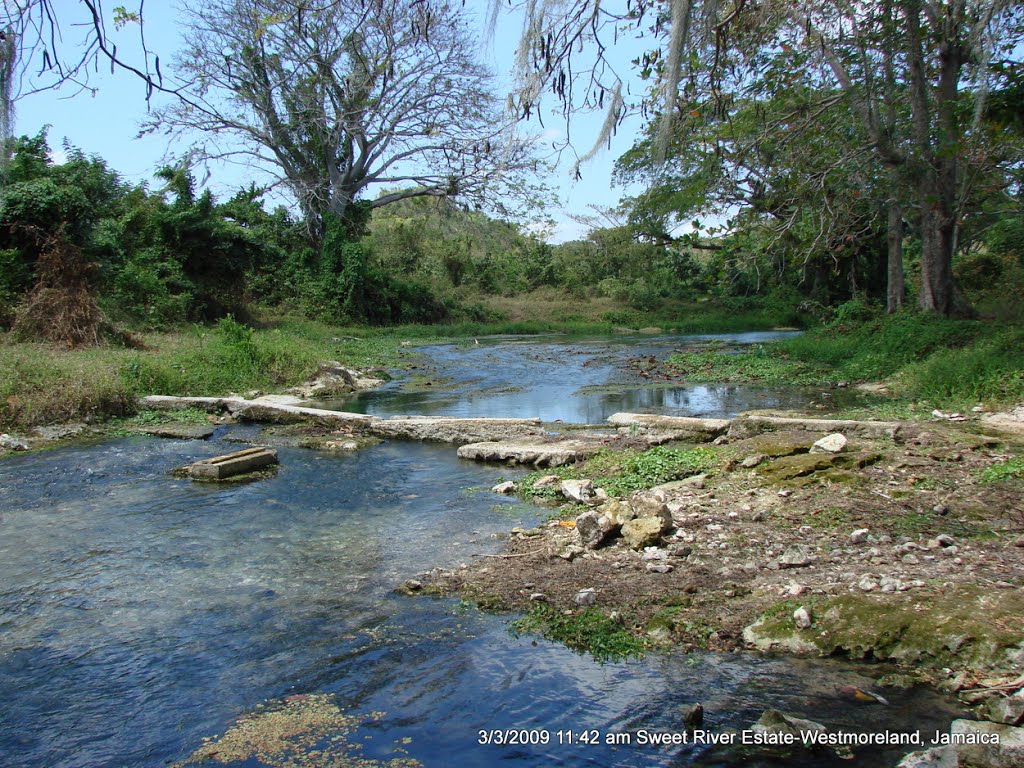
(340, 98)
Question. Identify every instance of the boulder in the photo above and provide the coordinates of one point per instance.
(58, 431)
(504, 488)
(937, 757)
(11, 443)
(859, 536)
(753, 460)
(802, 618)
(1008, 709)
(834, 443)
(586, 597)
(594, 529)
(652, 504)
(642, 532)
(335, 379)
(617, 512)
(581, 491)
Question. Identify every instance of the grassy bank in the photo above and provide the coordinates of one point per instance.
(42, 384)
(946, 363)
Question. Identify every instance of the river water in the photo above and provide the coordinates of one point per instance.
(578, 381)
(141, 614)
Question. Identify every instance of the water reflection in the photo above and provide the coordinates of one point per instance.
(584, 381)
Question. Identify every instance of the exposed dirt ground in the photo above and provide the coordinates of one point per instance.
(915, 533)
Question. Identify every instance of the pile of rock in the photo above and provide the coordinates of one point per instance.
(641, 521)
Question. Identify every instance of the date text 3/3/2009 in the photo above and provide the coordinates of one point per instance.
(538, 736)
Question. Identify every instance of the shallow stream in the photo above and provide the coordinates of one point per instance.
(582, 380)
(141, 614)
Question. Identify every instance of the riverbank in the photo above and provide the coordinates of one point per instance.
(43, 385)
(921, 362)
(907, 548)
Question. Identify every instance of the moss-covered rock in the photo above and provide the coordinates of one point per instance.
(967, 629)
(776, 444)
(803, 464)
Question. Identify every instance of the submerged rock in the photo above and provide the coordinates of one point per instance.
(692, 715)
(776, 721)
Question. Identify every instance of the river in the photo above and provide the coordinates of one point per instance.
(141, 614)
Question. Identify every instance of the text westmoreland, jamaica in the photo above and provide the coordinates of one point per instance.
(814, 738)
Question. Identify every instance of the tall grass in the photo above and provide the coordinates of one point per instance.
(943, 361)
(40, 384)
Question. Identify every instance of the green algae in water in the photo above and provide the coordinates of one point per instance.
(300, 732)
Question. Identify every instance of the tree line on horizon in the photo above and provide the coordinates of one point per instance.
(871, 151)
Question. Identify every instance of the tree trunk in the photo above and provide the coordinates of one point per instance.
(936, 170)
(937, 293)
(895, 289)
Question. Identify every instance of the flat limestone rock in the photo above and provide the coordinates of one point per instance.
(452, 430)
(232, 464)
(268, 409)
(533, 453)
(755, 423)
(179, 431)
(692, 427)
(253, 410)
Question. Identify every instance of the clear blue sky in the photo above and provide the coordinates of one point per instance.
(107, 123)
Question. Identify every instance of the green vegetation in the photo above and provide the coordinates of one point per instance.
(40, 384)
(1011, 469)
(585, 631)
(621, 473)
(946, 362)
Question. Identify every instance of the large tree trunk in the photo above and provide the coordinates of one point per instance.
(937, 292)
(936, 168)
(895, 289)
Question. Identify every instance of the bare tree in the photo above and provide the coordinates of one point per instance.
(46, 45)
(340, 98)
